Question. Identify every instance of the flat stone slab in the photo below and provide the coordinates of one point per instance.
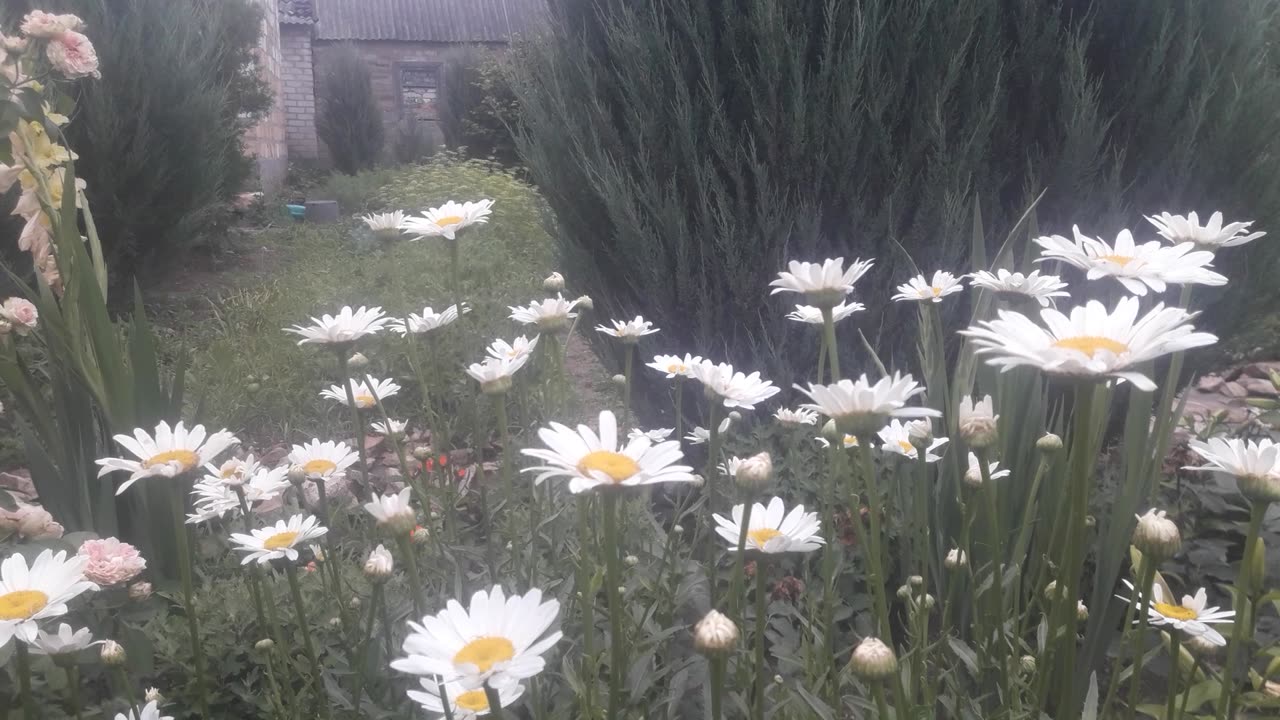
(322, 211)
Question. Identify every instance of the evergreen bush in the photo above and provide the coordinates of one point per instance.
(690, 148)
(348, 120)
(159, 136)
(477, 107)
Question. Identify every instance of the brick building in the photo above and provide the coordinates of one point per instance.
(404, 42)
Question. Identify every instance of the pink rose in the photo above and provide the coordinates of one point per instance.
(21, 313)
(111, 562)
(73, 55)
(40, 24)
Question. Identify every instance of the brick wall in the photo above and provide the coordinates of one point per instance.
(266, 140)
(298, 99)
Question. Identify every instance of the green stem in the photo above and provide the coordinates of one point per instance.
(397, 445)
(375, 598)
(330, 564)
(679, 431)
(709, 477)
(444, 700)
(126, 686)
(613, 579)
(188, 593)
(1175, 653)
(873, 550)
(829, 599)
(997, 567)
(629, 352)
(1147, 572)
(24, 680)
(1242, 630)
(761, 610)
(585, 568)
(73, 689)
(717, 686)
(1191, 682)
(344, 376)
(739, 562)
(920, 510)
(276, 636)
(308, 646)
(829, 339)
(415, 580)
(504, 432)
(1144, 568)
(822, 356)
(882, 707)
(277, 700)
(495, 703)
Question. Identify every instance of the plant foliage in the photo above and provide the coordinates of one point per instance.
(347, 116)
(478, 109)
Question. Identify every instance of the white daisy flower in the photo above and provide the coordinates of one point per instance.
(1211, 236)
(494, 374)
(629, 331)
(922, 289)
(1090, 342)
(656, 435)
(674, 365)
(896, 438)
(428, 320)
(772, 529)
(520, 347)
(859, 401)
(393, 509)
(993, 469)
(171, 452)
(1255, 464)
(266, 484)
(65, 641)
(465, 704)
(813, 315)
(700, 435)
(847, 441)
(396, 427)
(448, 220)
(344, 328)
(1137, 267)
(795, 418)
(592, 461)
(548, 315)
(323, 460)
(823, 284)
(1191, 616)
(278, 541)
(381, 222)
(1041, 288)
(150, 712)
(365, 396)
(734, 388)
(232, 471)
(31, 595)
(498, 640)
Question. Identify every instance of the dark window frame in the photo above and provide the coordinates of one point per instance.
(417, 66)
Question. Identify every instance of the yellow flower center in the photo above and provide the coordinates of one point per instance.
(484, 653)
(280, 540)
(448, 220)
(676, 368)
(907, 447)
(1091, 344)
(937, 291)
(850, 440)
(319, 466)
(760, 536)
(1175, 612)
(473, 700)
(617, 466)
(186, 458)
(1120, 260)
(365, 402)
(22, 604)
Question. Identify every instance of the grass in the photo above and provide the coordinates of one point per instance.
(251, 377)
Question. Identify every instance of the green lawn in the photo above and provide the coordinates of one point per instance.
(251, 377)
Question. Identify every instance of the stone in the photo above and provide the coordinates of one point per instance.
(1258, 387)
(322, 211)
(1234, 389)
(1210, 383)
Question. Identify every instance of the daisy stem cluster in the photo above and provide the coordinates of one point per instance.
(183, 548)
(1246, 607)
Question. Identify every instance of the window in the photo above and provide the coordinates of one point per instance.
(419, 86)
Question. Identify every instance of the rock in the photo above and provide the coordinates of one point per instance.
(322, 211)
(1210, 383)
(1258, 387)
(18, 481)
(274, 456)
(1233, 389)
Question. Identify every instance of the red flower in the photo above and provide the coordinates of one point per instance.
(444, 460)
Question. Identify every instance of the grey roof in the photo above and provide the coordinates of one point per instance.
(296, 12)
(425, 20)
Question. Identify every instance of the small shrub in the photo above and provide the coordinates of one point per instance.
(414, 143)
(348, 120)
(478, 109)
(356, 193)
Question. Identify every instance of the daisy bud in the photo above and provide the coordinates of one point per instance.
(715, 634)
(622, 590)
(735, 416)
(358, 361)
(956, 559)
(1049, 443)
(755, 472)
(253, 388)
(297, 475)
(379, 565)
(698, 481)
(420, 536)
(1156, 536)
(678, 529)
(496, 386)
(915, 581)
(928, 601)
(978, 422)
(153, 695)
(553, 283)
(831, 432)
(973, 478)
(585, 303)
(1200, 646)
(112, 653)
(1082, 611)
(1090, 521)
(904, 593)
(631, 560)
(920, 434)
(335, 622)
(422, 452)
(873, 660)
(1260, 489)
(140, 591)
(777, 680)
(1027, 663)
(619, 379)
(354, 603)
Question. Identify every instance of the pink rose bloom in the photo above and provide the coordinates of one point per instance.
(111, 562)
(40, 24)
(73, 55)
(21, 313)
